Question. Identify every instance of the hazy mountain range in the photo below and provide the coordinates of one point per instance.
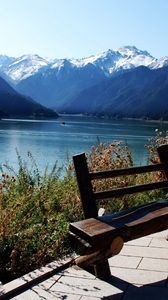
(127, 82)
(140, 93)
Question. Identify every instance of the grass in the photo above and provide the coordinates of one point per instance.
(36, 209)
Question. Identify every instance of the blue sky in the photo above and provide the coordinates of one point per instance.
(79, 28)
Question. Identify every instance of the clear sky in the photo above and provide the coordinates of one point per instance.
(80, 28)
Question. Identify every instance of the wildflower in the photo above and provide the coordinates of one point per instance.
(13, 179)
(30, 187)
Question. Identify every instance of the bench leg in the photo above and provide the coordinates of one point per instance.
(102, 270)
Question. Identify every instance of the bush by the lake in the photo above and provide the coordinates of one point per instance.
(36, 209)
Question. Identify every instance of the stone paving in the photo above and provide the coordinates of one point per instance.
(139, 272)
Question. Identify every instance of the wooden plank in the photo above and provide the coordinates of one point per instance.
(132, 214)
(135, 211)
(130, 190)
(159, 213)
(126, 171)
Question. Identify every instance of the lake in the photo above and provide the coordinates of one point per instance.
(51, 140)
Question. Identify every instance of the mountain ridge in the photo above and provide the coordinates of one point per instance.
(61, 84)
(122, 57)
(133, 94)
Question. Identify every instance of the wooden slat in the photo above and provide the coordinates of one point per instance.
(119, 219)
(130, 190)
(126, 171)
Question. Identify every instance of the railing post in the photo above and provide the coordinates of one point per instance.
(85, 186)
(163, 155)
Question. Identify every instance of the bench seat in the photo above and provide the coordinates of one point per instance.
(130, 224)
(100, 237)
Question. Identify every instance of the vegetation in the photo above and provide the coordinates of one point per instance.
(35, 209)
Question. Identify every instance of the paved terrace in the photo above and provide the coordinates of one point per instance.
(139, 272)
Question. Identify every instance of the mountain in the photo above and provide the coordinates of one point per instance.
(17, 69)
(54, 86)
(13, 104)
(140, 92)
(125, 58)
(114, 82)
(110, 61)
(54, 83)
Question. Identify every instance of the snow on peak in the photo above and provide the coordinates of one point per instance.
(159, 63)
(110, 61)
(24, 66)
(132, 51)
(5, 60)
(105, 61)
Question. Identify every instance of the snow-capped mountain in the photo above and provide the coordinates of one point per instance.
(159, 63)
(5, 61)
(54, 82)
(22, 67)
(106, 61)
(110, 62)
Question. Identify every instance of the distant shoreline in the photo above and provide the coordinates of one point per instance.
(145, 120)
(83, 116)
(112, 118)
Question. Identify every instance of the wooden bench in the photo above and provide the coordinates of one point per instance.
(101, 237)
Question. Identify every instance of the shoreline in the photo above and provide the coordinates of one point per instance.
(115, 119)
(84, 116)
(144, 120)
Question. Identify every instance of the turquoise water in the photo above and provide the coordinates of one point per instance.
(51, 140)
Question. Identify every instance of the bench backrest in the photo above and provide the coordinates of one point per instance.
(89, 198)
